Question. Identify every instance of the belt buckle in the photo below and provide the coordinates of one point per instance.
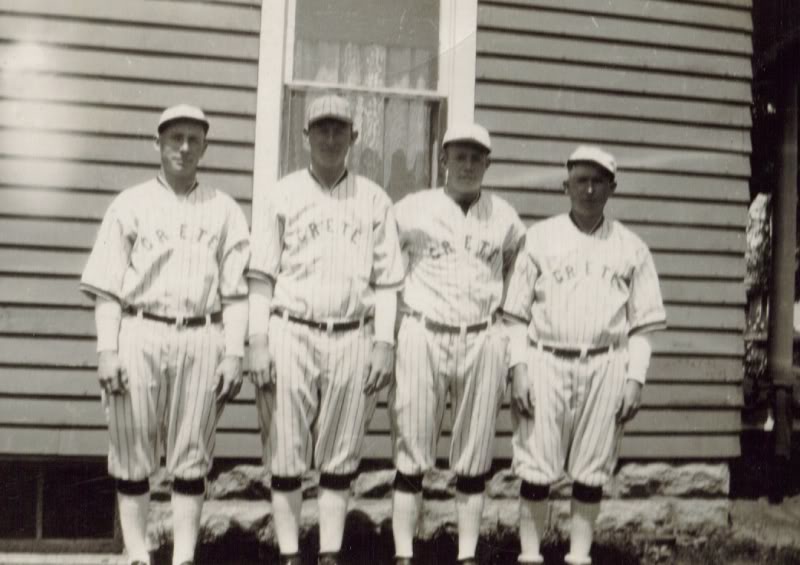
(462, 330)
(584, 352)
(180, 321)
(329, 326)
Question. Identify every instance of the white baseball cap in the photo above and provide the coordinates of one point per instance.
(329, 106)
(468, 133)
(592, 154)
(182, 112)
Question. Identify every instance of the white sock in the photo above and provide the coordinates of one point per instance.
(532, 523)
(286, 507)
(133, 521)
(186, 511)
(406, 507)
(469, 508)
(332, 514)
(584, 515)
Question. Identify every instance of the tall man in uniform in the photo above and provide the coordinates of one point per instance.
(167, 275)
(460, 243)
(324, 278)
(585, 296)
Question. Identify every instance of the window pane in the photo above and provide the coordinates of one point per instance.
(394, 142)
(368, 42)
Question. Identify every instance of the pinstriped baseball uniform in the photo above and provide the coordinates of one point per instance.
(174, 256)
(327, 251)
(457, 264)
(579, 290)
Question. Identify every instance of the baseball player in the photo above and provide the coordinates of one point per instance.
(460, 243)
(324, 277)
(167, 276)
(584, 295)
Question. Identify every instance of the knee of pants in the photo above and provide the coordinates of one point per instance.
(407, 483)
(189, 487)
(534, 492)
(586, 493)
(133, 488)
(471, 484)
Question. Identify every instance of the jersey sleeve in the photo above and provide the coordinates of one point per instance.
(521, 282)
(515, 238)
(387, 264)
(645, 308)
(109, 259)
(235, 256)
(266, 240)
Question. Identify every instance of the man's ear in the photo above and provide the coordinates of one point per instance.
(613, 185)
(565, 185)
(488, 161)
(353, 136)
(157, 142)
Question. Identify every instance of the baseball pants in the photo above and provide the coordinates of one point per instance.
(472, 369)
(317, 414)
(170, 402)
(574, 428)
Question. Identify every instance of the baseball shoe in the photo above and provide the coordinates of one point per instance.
(291, 559)
(329, 558)
(138, 563)
(570, 559)
(403, 561)
(467, 561)
(533, 560)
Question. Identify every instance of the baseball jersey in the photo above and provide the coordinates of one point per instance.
(456, 261)
(580, 289)
(167, 254)
(326, 249)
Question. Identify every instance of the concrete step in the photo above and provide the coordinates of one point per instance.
(62, 559)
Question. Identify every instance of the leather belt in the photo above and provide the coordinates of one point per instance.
(327, 326)
(435, 326)
(570, 352)
(181, 322)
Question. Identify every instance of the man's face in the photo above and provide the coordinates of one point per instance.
(589, 186)
(330, 140)
(182, 144)
(466, 163)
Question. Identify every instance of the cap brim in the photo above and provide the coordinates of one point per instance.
(164, 124)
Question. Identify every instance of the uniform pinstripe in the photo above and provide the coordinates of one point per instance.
(327, 251)
(456, 270)
(578, 291)
(178, 257)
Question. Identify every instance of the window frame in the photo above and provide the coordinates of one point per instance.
(457, 57)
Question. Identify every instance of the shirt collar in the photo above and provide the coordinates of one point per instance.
(320, 183)
(163, 182)
(594, 229)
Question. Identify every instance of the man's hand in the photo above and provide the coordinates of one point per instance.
(262, 369)
(522, 391)
(112, 376)
(229, 378)
(631, 401)
(380, 367)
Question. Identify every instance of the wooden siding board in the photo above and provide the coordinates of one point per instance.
(624, 208)
(68, 442)
(86, 146)
(22, 58)
(47, 233)
(551, 175)
(542, 47)
(104, 91)
(711, 318)
(698, 343)
(29, 289)
(202, 15)
(108, 177)
(607, 29)
(570, 101)
(529, 123)
(522, 149)
(626, 81)
(242, 416)
(56, 117)
(31, 202)
(655, 10)
(123, 36)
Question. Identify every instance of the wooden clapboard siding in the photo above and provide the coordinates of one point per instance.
(665, 86)
(83, 85)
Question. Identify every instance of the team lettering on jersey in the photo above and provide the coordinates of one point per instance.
(347, 230)
(568, 269)
(184, 232)
(480, 248)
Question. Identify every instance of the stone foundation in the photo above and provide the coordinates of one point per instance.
(655, 501)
